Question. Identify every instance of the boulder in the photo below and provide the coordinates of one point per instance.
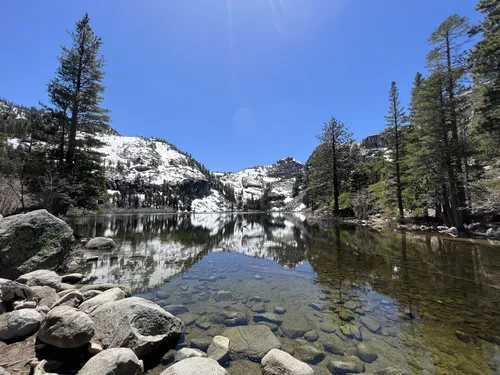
(334, 345)
(116, 361)
(219, 349)
(109, 295)
(41, 278)
(345, 365)
(12, 290)
(138, 324)
(3, 307)
(45, 295)
(195, 366)
(250, 342)
(19, 323)
(278, 362)
(103, 287)
(33, 241)
(66, 327)
(72, 299)
(184, 353)
(100, 243)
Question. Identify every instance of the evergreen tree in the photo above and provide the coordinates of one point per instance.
(338, 140)
(77, 89)
(395, 121)
(485, 58)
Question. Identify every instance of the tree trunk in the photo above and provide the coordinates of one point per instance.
(398, 172)
(335, 178)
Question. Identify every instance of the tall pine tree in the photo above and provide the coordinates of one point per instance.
(395, 121)
(77, 89)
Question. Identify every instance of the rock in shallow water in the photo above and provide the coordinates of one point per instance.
(250, 342)
(100, 243)
(19, 323)
(309, 354)
(366, 352)
(278, 362)
(195, 366)
(219, 349)
(345, 365)
(184, 353)
(116, 361)
(294, 329)
(66, 327)
(371, 324)
(137, 324)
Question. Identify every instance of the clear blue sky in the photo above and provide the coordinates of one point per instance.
(236, 83)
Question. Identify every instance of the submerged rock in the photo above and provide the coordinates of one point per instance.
(250, 342)
(267, 317)
(230, 318)
(309, 354)
(345, 365)
(33, 241)
(278, 362)
(371, 324)
(294, 329)
(116, 361)
(100, 243)
(223, 295)
(219, 349)
(366, 352)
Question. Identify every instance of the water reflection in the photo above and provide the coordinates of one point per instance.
(425, 304)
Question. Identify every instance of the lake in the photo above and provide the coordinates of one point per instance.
(413, 303)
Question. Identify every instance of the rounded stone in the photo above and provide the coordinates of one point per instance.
(19, 323)
(66, 327)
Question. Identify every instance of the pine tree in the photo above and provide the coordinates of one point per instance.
(395, 121)
(485, 58)
(448, 62)
(76, 91)
(338, 140)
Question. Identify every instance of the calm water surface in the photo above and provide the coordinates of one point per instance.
(426, 304)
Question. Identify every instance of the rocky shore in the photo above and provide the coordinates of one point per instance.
(50, 326)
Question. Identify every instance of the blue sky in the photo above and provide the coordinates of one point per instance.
(236, 83)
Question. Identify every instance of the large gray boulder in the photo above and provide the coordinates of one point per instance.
(19, 323)
(138, 324)
(45, 295)
(100, 243)
(278, 362)
(109, 295)
(32, 241)
(41, 278)
(195, 366)
(116, 361)
(72, 299)
(66, 327)
(250, 342)
(11, 290)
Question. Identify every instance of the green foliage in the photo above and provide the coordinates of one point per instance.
(345, 200)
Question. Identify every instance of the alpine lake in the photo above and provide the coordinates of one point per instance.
(411, 303)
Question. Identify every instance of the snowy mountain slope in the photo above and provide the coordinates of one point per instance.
(251, 182)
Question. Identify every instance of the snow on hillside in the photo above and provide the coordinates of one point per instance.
(152, 160)
(252, 181)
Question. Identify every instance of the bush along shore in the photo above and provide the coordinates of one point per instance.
(57, 324)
